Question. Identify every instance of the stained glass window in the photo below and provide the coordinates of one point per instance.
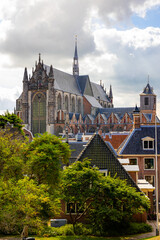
(39, 114)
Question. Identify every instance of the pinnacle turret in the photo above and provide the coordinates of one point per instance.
(75, 60)
(25, 76)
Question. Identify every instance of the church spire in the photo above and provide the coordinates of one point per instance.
(110, 94)
(25, 76)
(75, 60)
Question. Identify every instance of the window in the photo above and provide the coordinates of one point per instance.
(59, 101)
(104, 172)
(79, 105)
(73, 104)
(133, 161)
(74, 208)
(66, 102)
(148, 143)
(150, 179)
(146, 101)
(148, 163)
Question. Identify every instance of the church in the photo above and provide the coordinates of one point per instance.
(54, 101)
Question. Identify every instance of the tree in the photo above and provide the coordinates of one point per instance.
(107, 201)
(11, 160)
(29, 177)
(80, 184)
(12, 119)
(44, 156)
(24, 204)
(115, 205)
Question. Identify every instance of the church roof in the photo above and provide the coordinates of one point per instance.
(64, 81)
(120, 111)
(93, 101)
(98, 91)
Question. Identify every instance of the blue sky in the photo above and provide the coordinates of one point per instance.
(152, 19)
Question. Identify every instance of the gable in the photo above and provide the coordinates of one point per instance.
(103, 157)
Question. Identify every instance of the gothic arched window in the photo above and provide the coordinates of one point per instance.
(73, 104)
(59, 101)
(39, 114)
(79, 105)
(66, 102)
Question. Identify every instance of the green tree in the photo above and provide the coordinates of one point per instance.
(107, 201)
(80, 184)
(29, 178)
(11, 160)
(115, 205)
(44, 157)
(24, 204)
(12, 119)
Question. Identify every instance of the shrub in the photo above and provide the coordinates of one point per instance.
(48, 231)
(83, 229)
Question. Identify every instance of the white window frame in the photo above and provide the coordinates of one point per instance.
(153, 163)
(133, 158)
(104, 171)
(148, 139)
(150, 176)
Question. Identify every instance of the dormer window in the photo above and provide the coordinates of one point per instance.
(148, 143)
(104, 172)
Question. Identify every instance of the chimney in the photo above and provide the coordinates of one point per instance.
(136, 118)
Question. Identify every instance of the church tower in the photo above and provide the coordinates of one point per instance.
(148, 102)
(75, 61)
(25, 98)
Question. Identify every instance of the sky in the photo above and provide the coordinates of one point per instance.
(118, 43)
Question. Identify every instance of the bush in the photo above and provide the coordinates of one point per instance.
(136, 228)
(82, 229)
(48, 231)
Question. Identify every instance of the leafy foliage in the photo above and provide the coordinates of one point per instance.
(44, 156)
(109, 201)
(11, 161)
(12, 119)
(115, 205)
(29, 174)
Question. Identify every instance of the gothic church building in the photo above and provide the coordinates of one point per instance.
(52, 99)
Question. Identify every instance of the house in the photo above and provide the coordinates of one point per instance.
(104, 157)
(140, 148)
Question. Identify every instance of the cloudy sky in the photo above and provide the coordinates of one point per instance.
(118, 43)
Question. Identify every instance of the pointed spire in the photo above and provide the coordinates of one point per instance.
(25, 77)
(51, 75)
(75, 60)
(39, 57)
(110, 92)
(136, 110)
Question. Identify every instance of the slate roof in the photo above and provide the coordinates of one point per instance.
(102, 156)
(148, 89)
(64, 81)
(76, 148)
(119, 111)
(93, 101)
(82, 81)
(98, 91)
(133, 143)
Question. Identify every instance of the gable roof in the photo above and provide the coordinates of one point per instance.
(103, 156)
(133, 144)
(93, 101)
(98, 92)
(85, 85)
